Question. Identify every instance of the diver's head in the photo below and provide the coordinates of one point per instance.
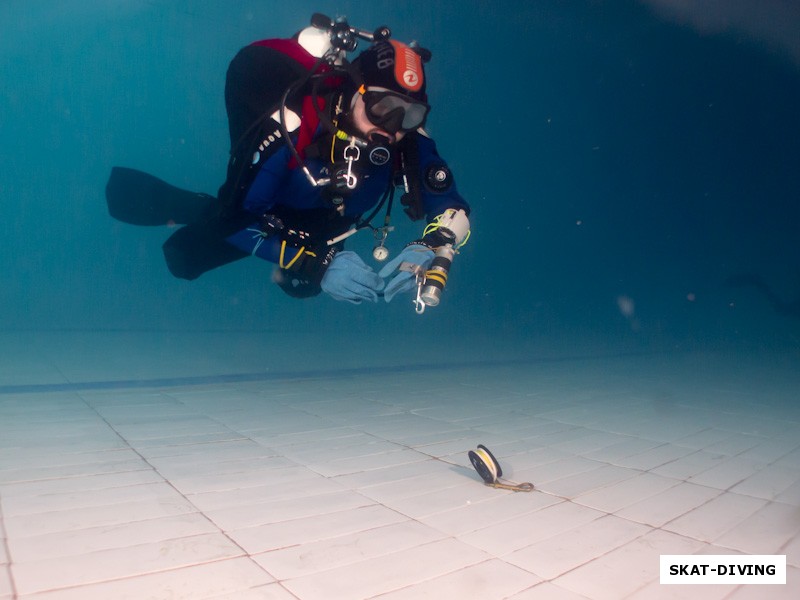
(391, 99)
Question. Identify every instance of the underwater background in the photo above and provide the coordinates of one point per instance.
(623, 161)
(622, 328)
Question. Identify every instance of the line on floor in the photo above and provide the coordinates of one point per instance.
(330, 373)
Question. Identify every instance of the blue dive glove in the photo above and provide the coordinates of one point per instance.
(404, 281)
(349, 278)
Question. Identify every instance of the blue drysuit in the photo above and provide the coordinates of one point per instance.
(278, 187)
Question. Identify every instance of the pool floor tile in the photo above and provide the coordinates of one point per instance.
(326, 487)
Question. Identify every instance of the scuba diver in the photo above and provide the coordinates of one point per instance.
(318, 146)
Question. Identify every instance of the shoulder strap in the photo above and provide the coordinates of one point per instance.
(409, 163)
(309, 121)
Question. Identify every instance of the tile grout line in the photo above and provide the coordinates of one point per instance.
(563, 499)
(182, 495)
(651, 527)
(249, 438)
(7, 548)
(407, 518)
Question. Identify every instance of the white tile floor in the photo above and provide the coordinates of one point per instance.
(357, 485)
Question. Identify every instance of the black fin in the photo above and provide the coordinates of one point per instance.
(141, 199)
(200, 247)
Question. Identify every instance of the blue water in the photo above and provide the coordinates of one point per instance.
(622, 162)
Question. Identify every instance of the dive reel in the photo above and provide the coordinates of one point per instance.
(489, 469)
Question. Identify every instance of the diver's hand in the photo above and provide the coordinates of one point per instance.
(348, 278)
(405, 281)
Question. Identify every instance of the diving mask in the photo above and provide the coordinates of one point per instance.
(392, 111)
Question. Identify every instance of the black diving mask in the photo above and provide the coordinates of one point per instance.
(394, 112)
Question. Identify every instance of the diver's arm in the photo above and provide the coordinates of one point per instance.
(448, 223)
(438, 187)
(442, 205)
